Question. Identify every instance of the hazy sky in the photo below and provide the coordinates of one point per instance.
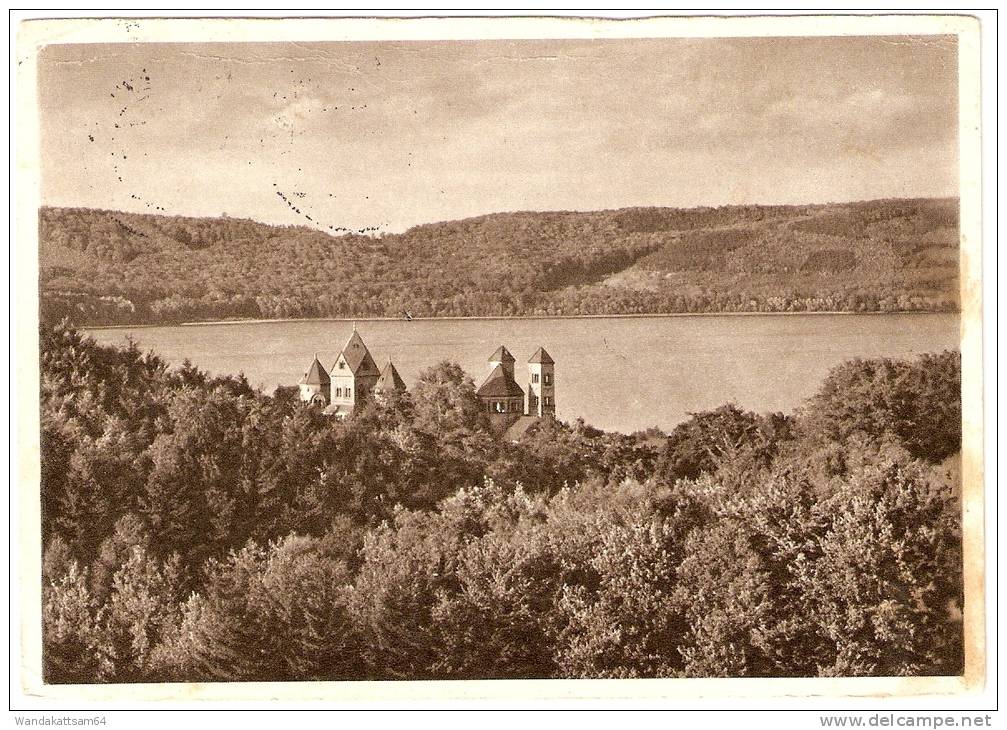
(392, 134)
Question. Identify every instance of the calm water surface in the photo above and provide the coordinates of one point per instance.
(618, 374)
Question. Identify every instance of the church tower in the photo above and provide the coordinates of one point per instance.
(352, 377)
(314, 386)
(501, 396)
(541, 384)
(504, 359)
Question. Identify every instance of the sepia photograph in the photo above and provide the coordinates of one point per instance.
(551, 355)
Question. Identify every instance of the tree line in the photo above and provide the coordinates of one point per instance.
(196, 529)
(110, 267)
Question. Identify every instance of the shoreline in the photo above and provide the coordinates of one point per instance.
(213, 323)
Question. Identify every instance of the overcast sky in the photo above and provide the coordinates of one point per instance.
(394, 134)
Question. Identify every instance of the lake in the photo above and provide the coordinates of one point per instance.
(618, 373)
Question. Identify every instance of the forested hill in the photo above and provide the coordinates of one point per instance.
(109, 267)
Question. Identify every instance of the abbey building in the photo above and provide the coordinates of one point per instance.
(504, 399)
(355, 378)
(352, 381)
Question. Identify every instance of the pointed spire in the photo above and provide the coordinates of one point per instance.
(541, 356)
(358, 357)
(389, 380)
(501, 355)
(316, 374)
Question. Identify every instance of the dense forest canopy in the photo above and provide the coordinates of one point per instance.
(108, 267)
(197, 529)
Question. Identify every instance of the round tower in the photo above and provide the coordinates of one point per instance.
(314, 386)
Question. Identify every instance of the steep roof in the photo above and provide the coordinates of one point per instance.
(358, 358)
(316, 374)
(523, 425)
(541, 356)
(389, 380)
(501, 355)
(499, 384)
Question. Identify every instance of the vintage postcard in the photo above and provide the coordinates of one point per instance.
(396, 358)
